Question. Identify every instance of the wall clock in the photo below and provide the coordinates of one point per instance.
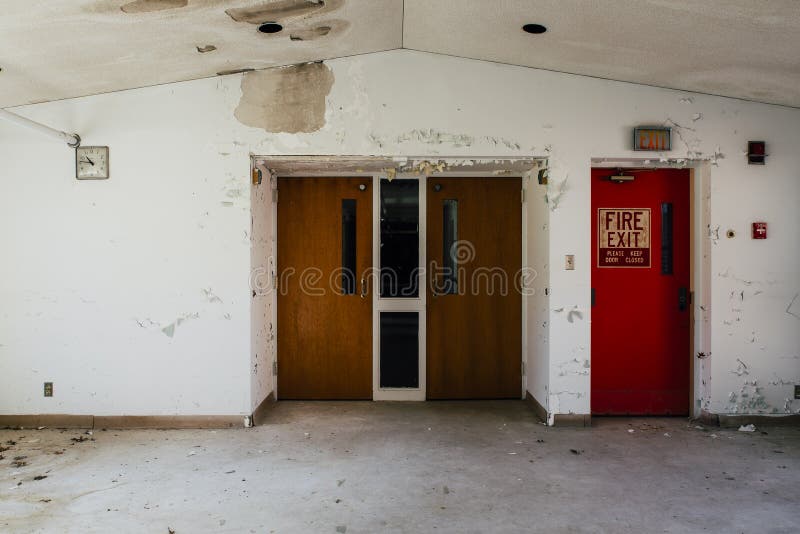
(91, 163)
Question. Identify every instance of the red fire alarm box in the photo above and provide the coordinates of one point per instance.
(759, 230)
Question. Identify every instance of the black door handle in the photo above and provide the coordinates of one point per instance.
(592, 297)
(683, 298)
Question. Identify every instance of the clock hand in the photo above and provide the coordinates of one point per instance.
(90, 161)
(87, 160)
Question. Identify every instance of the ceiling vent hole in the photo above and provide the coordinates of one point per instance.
(535, 29)
(270, 27)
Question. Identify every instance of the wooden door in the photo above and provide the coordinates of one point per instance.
(474, 247)
(324, 309)
(640, 280)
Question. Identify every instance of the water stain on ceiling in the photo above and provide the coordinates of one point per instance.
(147, 6)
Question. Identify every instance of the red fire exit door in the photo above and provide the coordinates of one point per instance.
(640, 292)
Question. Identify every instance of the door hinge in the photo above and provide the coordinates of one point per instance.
(275, 368)
(523, 368)
(275, 196)
(522, 196)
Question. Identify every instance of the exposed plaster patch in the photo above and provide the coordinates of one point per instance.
(555, 193)
(148, 6)
(281, 10)
(749, 399)
(210, 296)
(288, 99)
(169, 330)
(205, 49)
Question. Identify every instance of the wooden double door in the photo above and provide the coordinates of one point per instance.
(329, 284)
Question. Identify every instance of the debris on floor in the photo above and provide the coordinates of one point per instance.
(747, 428)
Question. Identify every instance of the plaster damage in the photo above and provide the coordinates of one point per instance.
(148, 6)
(287, 99)
(432, 136)
(282, 10)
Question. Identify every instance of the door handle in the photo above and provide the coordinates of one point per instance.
(593, 298)
(683, 298)
(363, 288)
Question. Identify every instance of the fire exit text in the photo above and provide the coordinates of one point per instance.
(623, 237)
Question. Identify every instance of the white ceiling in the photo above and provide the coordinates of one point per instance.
(742, 48)
(54, 49)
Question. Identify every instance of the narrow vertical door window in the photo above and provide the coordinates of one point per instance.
(348, 246)
(450, 244)
(399, 239)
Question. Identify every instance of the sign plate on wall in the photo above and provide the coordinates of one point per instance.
(655, 139)
(623, 237)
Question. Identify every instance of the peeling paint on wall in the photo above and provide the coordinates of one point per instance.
(148, 6)
(169, 330)
(288, 99)
(431, 136)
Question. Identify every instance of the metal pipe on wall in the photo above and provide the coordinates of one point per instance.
(73, 140)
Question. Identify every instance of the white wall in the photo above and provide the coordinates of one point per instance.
(86, 263)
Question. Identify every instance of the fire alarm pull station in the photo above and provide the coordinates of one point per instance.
(759, 230)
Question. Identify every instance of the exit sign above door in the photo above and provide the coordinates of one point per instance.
(652, 138)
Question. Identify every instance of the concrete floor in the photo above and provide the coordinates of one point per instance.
(391, 467)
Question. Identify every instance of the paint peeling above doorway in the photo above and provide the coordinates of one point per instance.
(392, 166)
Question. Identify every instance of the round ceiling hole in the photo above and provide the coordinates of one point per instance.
(535, 29)
(270, 27)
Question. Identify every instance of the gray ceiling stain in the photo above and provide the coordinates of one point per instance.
(148, 6)
(288, 99)
(310, 35)
(282, 10)
(323, 29)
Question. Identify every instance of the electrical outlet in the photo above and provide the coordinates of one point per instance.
(570, 262)
(48, 389)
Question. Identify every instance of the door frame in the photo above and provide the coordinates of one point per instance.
(699, 267)
(401, 167)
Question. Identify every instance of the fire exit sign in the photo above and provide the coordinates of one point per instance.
(623, 237)
(652, 138)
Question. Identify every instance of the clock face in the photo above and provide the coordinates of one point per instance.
(91, 163)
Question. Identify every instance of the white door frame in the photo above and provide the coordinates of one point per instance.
(382, 167)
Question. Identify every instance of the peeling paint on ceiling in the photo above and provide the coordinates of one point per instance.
(282, 10)
(98, 46)
(147, 6)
